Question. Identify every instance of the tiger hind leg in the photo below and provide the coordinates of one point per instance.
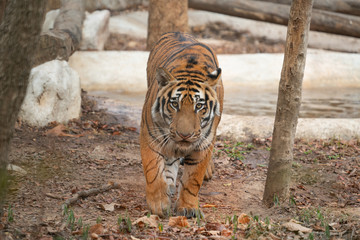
(209, 170)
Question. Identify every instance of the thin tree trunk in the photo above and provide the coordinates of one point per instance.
(20, 31)
(288, 105)
(166, 16)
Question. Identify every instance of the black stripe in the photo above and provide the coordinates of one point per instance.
(170, 164)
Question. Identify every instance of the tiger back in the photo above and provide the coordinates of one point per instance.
(181, 112)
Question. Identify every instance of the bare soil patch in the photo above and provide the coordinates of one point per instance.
(99, 149)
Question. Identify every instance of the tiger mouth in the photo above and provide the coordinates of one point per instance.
(184, 143)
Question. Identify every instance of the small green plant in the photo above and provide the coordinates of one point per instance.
(199, 215)
(85, 232)
(235, 223)
(292, 201)
(80, 222)
(311, 236)
(71, 219)
(276, 200)
(308, 152)
(250, 146)
(268, 149)
(335, 156)
(98, 220)
(327, 231)
(128, 223)
(161, 227)
(267, 221)
(124, 223)
(10, 215)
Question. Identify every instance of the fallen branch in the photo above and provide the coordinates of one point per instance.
(351, 7)
(322, 21)
(89, 192)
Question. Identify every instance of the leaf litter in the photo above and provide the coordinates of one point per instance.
(324, 195)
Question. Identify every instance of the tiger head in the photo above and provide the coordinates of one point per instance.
(186, 109)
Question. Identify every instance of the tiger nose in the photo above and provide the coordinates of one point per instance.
(184, 135)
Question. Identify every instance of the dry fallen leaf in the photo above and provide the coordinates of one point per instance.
(243, 219)
(179, 221)
(151, 221)
(108, 207)
(226, 232)
(293, 226)
(209, 206)
(58, 132)
(214, 226)
(97, 229)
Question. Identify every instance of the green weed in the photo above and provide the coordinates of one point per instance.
(10, 214)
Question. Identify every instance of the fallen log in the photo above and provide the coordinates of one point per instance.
(64, 39)
(322, 21)
(351, 7)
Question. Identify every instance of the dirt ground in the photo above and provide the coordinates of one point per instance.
(98, 150)
(97, 157)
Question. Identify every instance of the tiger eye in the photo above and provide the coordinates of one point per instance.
(175, 104)
(198, 105)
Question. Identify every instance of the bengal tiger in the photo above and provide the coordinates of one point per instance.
(181, 112)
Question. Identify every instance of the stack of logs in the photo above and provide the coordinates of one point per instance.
(336, 16)
(64, 39)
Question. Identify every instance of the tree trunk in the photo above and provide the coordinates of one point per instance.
(322, 21)
(351, 7)
(288, 105)
(166, 16)
(20, 31)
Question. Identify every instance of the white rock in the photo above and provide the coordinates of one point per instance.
(242, 128)
(95, 30)
(50, 20)
(53, 94)
(133, 24)
(107, 70)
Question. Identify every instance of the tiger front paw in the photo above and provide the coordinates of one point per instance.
(190, 212)
(159, 203)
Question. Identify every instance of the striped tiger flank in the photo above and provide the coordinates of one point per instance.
(181, 112)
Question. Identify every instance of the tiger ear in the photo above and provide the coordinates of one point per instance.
(163, 76)
(214, 77)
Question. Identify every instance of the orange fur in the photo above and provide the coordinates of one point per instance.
(182, 110)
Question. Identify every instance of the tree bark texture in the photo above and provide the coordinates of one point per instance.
(322, 21)
(20, 30)
(288, 104)
(64, 39)
(351, 7)
(166, 16)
